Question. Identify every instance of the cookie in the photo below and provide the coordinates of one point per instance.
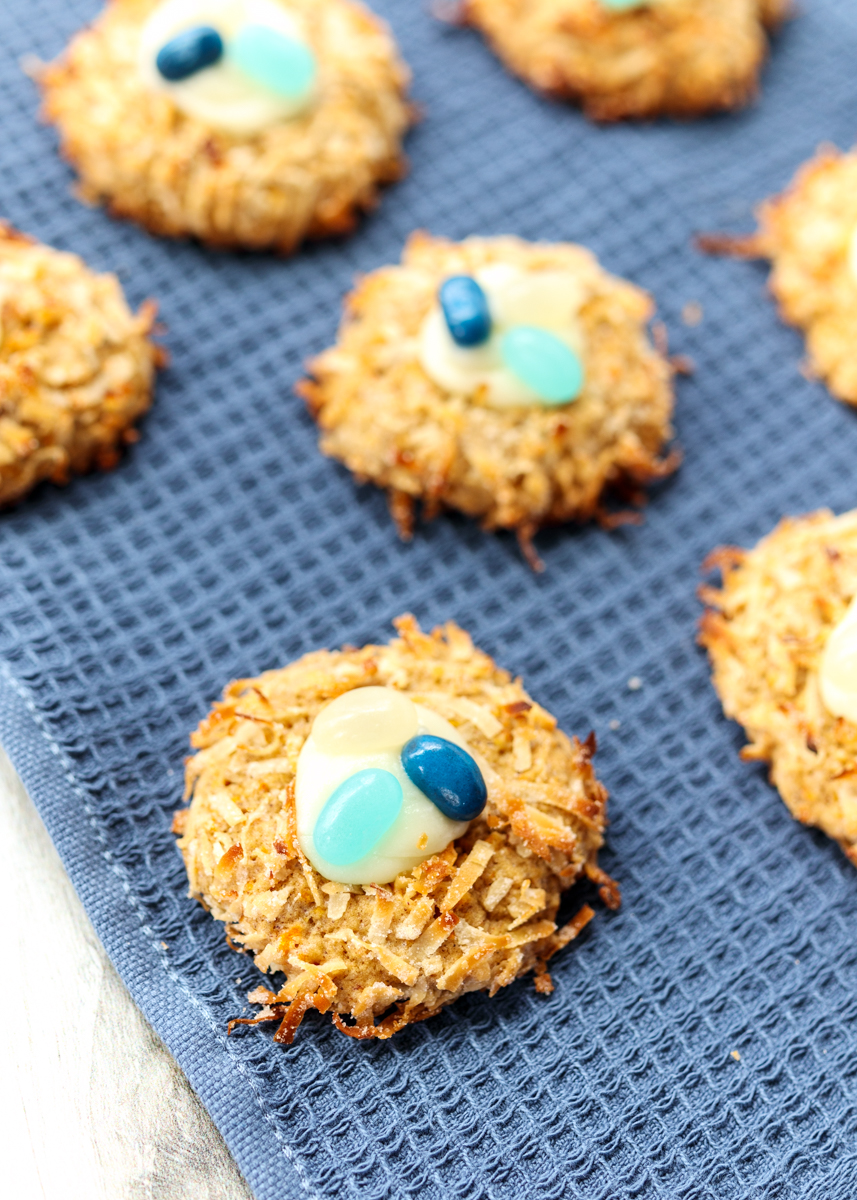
(76, 366)
(363, 762)
(254, 123)
(780, 636)
(809, 234)
(560, 399)
(621, 58)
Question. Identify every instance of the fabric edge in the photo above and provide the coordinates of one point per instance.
(176, 1015)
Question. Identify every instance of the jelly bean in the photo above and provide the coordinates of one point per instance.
(447, 774)
(357, 815)
(543, 362)
(365, 721)
(282, 64)
(188, 52)
(465, 309)
(623, 5)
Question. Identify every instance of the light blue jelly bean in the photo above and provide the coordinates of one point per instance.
(465, 310)
(447, 774)
(188, 52)
(623, 5)
(357, 815)
(282, 64)
(543, 362)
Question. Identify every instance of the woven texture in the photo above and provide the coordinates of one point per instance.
(225, 544)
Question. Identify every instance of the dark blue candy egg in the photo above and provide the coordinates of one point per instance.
(446, 774)
(465, 307)
(188, 52)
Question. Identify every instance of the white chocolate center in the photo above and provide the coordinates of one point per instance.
(221, 95)
(838, 672)
(365, 720)
(368, 727)
(549, 299)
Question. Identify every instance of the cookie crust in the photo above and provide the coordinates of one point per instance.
(522, 468)
(76, 366)
(475, 917)
(805, 233)
(677, 58)
(308, 177)
(765, 632)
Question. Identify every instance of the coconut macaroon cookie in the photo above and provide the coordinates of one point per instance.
(633, 58)
(810, 235)
(390, 827)
(253, 123)
(782, 637)
(76, 366)
(513, 381)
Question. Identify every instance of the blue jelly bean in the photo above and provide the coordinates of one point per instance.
(282, 64)
(188, 52)
(446, 774)
(543, 362)
(357, 815)
(465, 309)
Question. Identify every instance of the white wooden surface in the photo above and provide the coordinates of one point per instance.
(92, 1105)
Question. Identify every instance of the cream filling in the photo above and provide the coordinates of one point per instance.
(221, 95)
(419, 831)
(837, 675)
(550, 299)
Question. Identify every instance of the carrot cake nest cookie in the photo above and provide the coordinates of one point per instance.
(390, 827)
(782, 637)
(633, 58)
(513, 381)
(253, 123)
(810, 235)
(76, 366)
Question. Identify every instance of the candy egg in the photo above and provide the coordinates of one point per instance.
(285, 65)
(364, 721)
(446, 774)
(188, 52)
(357, 815)
(465, 310)
(543, 362)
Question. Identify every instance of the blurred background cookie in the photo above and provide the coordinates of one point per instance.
(633, 58)
(76, 366)
(809, 233)
(252, 123)
(782, 637)
(391, 827)
(513, 381)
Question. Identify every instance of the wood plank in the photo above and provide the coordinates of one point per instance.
(92, 1104)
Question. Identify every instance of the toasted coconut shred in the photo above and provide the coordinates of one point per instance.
(807, 233)
(765, 632)
(76, 366)
(309, 176)
(519, 468)
(676, 57)
(474, 917)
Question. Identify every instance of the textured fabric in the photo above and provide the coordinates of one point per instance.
(225, 544)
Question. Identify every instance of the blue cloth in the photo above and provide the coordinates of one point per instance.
(224, 544)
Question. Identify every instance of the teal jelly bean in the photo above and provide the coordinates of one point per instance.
(282, 64)
(543, 362)
(357, 815)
